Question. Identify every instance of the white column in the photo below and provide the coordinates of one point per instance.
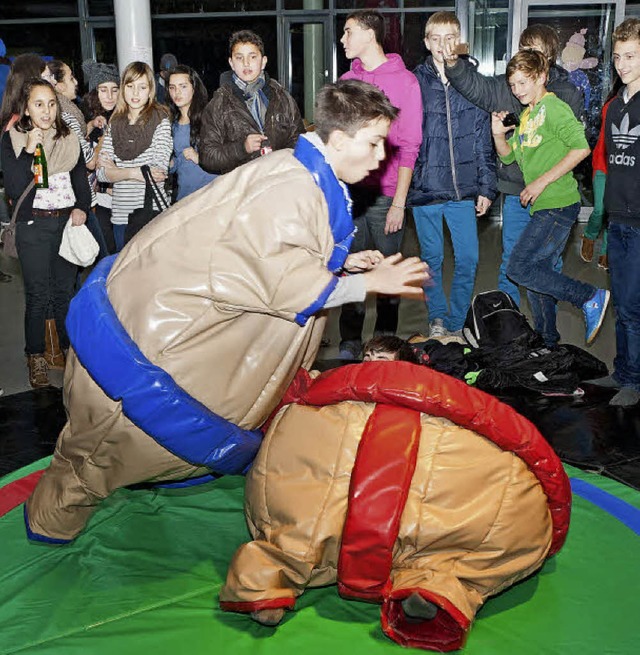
(133, 32)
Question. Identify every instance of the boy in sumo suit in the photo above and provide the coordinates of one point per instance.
(185, 344)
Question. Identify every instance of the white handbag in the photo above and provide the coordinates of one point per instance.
(78, 245)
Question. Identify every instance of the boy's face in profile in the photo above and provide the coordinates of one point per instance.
(247, 62)
(356, 156)
(355, 39)
(626, 59)
(437, 36)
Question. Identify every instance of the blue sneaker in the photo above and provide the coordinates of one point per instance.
(594, 310)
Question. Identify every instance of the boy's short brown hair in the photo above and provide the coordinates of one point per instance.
(388, 343)
(628, 30)
(543, 34)
(369, 19)
(529, 62)
(349, 105)
(245, 36)
(441, 18)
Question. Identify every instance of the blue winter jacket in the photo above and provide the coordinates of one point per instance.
(456, 159)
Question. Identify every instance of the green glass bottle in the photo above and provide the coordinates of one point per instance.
(40, 174)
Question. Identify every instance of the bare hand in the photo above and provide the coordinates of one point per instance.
(253, 142)
(497, 128)
(532, 191)
(449, 50)
(34, 137)
(365, 260)
(99, 122)
(396, 276)
(395, 219)
(158, 174)
(190, 154)
(482, 205)
(78, 217)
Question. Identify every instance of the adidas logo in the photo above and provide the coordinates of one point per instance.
(624, 137)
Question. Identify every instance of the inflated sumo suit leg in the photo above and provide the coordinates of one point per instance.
(184, 344)
(405, 487)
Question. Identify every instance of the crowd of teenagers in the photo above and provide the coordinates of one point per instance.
(140, 140)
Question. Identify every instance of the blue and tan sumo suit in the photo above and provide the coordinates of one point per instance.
(184, 345)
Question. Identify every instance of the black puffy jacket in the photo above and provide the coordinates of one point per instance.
(494, 94)
(456, 159)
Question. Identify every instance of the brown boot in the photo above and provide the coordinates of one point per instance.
(586, 249)
(38, 371)
(52, 351)
(603, 262)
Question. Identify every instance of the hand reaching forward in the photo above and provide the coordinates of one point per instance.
(396, 276)
(365, 260)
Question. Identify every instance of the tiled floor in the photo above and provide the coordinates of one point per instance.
(584, 431)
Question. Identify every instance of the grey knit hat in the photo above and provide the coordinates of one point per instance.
(96, 73)
(168, 62)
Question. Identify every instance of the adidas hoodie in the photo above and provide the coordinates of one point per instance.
(405, 136)
(622, 140)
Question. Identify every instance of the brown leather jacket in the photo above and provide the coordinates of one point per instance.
(226, 123)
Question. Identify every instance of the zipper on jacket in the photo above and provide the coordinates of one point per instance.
(453, 163)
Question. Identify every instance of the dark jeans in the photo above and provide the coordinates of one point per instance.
(624, 269)
(532, 263)
(93, 225)
(370, 215)
(49, 280)
(103, 214)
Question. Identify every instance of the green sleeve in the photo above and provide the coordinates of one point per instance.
(511, 157)
(568, 128)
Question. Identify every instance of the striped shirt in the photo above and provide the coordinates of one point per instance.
(85, 144)
(129, 194)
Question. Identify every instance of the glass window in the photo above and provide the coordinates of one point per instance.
(101, 7)
(106, 51)
(305, 4)
(434, 5)
(203, 44)
(62, 43)
(201, 6)
(38, 9)
(488, 35)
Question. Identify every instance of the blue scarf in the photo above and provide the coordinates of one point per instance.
(254, 97)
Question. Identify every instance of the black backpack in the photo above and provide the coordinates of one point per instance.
(494, 320)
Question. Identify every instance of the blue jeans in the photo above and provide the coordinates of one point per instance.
(532, 264)
(370, 216)
(461, 221)
(624, 269)
(118, 236)
(515, 218)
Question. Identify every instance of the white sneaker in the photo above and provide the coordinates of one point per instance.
(437, 329)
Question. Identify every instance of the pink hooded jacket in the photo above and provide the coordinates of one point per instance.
(405, 136)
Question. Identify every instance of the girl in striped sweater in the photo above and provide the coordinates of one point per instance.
(139, 134)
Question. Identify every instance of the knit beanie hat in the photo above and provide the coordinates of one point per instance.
(168, 62)
(96, 73)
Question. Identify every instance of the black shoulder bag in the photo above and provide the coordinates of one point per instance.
(138, 218)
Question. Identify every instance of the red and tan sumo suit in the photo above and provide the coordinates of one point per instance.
(389, 479)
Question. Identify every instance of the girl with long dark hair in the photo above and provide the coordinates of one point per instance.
(43, 214)
(188, 99)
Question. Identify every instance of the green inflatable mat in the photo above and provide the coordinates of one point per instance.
(144, 578)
